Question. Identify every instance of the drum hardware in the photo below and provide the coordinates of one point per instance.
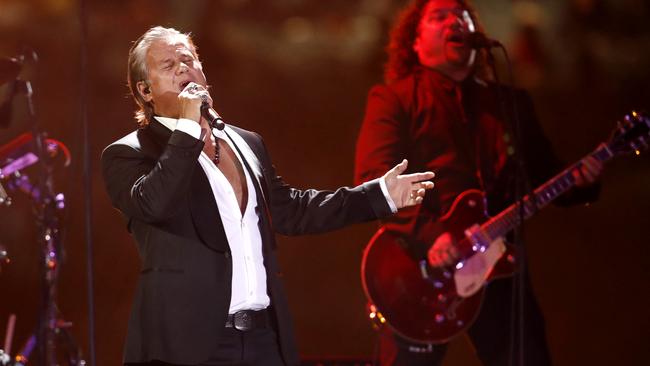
(35, 149)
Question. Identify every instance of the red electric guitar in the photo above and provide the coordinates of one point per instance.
(432, 305)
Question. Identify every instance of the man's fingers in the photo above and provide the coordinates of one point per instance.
(588, 174)
(588, 171)
(408, 189)
(591, 166)
(426, 185)
(416, 196)
(197, 90)
(399, 168)
(416, 177)
(578, 178)
(594, 168)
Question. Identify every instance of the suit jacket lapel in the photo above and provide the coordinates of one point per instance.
(254, 173)
(203, 207)
(251, 162)
(255, 169)
(205, 212)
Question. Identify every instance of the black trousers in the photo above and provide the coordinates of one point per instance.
(257, 347)
(490, 334)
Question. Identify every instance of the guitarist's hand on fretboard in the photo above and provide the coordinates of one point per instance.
(587, 171)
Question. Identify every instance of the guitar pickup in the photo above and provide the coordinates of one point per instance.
(478, 238)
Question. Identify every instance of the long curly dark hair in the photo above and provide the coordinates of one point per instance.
(402, 59)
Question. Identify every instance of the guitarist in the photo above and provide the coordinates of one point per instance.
(440, 110)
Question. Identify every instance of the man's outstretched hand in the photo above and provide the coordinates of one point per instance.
(408, 189)
(587, 171)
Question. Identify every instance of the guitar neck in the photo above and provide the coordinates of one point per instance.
(506, 220)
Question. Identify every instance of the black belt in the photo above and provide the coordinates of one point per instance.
(245, 320)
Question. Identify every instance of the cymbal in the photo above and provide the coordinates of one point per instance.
(9, 69)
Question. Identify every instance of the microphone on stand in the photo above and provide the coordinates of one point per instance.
(480, 40)
(213, 118)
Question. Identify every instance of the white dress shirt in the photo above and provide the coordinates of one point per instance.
(242, 231)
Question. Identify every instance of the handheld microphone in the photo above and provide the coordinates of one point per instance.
(214, 119)
(480, 40)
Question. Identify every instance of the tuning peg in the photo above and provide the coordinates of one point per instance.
(640, 117)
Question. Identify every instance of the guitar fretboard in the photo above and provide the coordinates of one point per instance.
(507, 219)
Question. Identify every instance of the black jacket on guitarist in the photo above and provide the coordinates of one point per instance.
(455, 130)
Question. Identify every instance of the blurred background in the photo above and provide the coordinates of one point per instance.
(298, 72)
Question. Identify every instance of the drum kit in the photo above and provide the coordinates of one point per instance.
(50, 344)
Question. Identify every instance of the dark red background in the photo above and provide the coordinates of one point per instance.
(298, 73)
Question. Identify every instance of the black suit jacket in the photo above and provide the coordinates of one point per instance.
(183, 293)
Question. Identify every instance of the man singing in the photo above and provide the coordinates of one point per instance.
(203, 206)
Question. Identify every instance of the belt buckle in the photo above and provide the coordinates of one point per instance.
(243, 321)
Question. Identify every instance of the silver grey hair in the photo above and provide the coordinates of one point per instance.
(137, 66)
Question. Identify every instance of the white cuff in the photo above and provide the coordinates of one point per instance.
(189, 127)
(384, 190)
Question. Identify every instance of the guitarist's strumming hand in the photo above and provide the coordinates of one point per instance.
(408, 189)
(587, 171)
(443, 252)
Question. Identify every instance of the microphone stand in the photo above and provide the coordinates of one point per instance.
(523, 188)
(48, 208)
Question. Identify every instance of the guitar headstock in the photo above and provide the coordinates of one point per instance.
(632, 134)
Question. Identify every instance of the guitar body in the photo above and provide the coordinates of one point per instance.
(424, 304)
(432, 305)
